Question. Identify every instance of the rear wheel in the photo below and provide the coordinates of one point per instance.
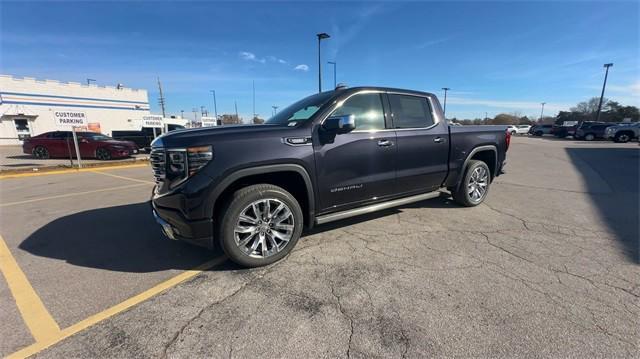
(41, 152)
(260, 225)
(538, 133)
(103, 154)
(589, 137)
(622, 137)
(475, 184)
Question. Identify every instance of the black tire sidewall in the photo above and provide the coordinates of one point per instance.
(236, 204)
(105, 158)
(462, 195)
(35, 150)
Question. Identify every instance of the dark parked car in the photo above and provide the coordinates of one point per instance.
(330, 156)
(540, 130)
(143, 137)
(564, 131)
(91, 145)
(590, 131)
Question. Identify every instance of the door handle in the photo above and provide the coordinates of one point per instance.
(384, 143)
(438, 140)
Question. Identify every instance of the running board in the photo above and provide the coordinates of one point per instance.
(375, 207)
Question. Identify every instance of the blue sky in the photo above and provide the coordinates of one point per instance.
(496, 56)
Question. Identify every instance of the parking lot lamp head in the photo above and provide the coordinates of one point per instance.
(321, 36)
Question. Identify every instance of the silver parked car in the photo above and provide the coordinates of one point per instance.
(623, 132)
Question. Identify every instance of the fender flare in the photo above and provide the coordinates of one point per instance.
(258, 170)
(478, 149)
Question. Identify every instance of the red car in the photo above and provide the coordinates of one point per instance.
(91, 144)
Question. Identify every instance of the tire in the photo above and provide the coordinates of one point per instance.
(589, 137)
(475, 170)
(103, 154)
(252, 241)
(539, 133)
(41, 152)
(513, 133)
(622, 137)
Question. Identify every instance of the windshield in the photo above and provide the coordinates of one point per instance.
(300, 111)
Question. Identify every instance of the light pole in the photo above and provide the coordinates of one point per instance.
(321, 36)
(195, 116)
(181, 113)
(542, 111)
(335, 65)
(603, 86)
(215, 105)
(444, 112)
(275, 110)
(89, 81)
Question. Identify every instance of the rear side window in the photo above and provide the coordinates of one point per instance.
(367, 110)
(410, 111)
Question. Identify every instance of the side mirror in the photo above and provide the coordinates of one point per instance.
(340, 124)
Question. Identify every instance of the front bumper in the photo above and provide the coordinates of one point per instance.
(176, 227)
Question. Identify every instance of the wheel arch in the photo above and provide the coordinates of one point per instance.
(488, 154)
(292, 177)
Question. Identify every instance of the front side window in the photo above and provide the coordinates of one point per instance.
(367, 110)
(410, 111)
(300, 111)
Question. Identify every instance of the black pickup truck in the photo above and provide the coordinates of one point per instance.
(253, 189)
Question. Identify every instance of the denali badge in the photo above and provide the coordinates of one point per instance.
(346, 188)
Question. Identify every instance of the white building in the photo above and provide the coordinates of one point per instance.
(28, 106)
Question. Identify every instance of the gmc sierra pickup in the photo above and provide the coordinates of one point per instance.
(336, 154)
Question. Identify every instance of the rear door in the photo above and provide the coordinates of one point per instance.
(357, 167)
(58, 143)
(423, 148)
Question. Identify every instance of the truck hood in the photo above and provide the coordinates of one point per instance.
(209, 135)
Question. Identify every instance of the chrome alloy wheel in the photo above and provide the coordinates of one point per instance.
(264, 228)
(478, 183)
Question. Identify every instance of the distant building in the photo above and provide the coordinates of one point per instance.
(28, 107)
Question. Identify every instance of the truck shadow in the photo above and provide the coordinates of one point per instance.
(127, 239)
(121, 238)
(618, 205)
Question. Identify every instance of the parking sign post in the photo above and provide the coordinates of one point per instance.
(75, 143)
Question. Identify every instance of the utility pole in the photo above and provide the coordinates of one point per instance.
(161, 99)
(485, 117)
(275, 110)
(195, 115)
(603, 86)
(321, 37)
(215, 105)
(444, 112)
(253, 83)
(542, 111)
(335, 65)
(236, 105)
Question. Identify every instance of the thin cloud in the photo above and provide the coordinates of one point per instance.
(432, 43)
(250, 56)
(301, 67)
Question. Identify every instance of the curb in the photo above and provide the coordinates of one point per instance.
(41, 171)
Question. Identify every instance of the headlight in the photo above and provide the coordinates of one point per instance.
(184, 163)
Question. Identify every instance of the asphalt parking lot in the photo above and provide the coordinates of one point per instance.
(548, 266)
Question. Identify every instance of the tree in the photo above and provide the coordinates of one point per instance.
(590, 106)
(504, 119)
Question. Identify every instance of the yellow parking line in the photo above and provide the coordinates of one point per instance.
(122, 177)
(69, 195)
(41, 324)
(68, 170)
(118, 308)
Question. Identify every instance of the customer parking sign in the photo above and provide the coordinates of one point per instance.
(70, 118)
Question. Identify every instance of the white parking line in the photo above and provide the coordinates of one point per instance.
(71, 194)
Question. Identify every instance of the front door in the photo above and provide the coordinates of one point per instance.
(423, 148)
(359, 166)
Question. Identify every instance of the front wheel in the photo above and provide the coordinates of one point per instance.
(41, 152)
(260, 225)
(589, 137)
(103, 154)
(475, 184)
(622, 137)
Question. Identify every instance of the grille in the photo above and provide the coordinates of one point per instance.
(158, 164)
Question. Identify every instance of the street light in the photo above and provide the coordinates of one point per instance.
(542, 111)
(275, 110)
(321, 36)
(89, 81)
(444, 112)
(181, 113)
(603, 86)
(215, 105)
(335, 65)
